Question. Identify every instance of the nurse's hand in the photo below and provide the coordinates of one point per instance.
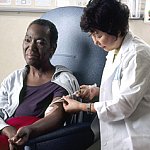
(71, 105)
(89, 91)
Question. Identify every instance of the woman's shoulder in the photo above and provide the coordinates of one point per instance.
(61, 68)
(63, 72)
(64, 77)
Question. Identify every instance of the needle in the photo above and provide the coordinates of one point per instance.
(76, 93)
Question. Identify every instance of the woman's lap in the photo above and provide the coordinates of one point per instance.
(16, 122)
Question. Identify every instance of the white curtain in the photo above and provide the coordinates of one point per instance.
(135, 8)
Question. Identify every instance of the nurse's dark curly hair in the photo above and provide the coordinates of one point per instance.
(108, 16)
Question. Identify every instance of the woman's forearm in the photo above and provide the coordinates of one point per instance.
(48, 123)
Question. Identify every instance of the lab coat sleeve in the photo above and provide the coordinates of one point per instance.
(133, 87)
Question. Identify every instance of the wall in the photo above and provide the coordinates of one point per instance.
(141, 29)
(12, 30)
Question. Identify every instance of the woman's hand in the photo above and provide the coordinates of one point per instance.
(71, 105)
(89, 91)
(9, 131)
(21, 137)
(13, 146)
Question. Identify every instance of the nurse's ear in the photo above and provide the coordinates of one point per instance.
(119, 35)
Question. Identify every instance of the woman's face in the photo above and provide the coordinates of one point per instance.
(36, 45)
(106, 41)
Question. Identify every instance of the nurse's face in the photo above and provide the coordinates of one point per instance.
(106, 41)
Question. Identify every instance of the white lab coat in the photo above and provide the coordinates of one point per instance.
(124, 106)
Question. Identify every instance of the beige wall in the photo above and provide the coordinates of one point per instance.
(12, 30)
(141, 29)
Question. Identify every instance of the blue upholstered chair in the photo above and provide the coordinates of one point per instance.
(76, 51)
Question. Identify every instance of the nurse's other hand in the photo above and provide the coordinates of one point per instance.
(89, 91)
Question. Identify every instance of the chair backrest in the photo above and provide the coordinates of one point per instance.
(75, 48)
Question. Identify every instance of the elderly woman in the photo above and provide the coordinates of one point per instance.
(26, 93)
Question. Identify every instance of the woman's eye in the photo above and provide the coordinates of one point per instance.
(41, 43)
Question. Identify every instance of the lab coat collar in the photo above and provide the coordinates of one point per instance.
(113, 66)
(126, 43)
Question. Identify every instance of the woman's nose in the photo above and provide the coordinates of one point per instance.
(33, 45)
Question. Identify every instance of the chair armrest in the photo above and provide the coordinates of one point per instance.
(72, 137)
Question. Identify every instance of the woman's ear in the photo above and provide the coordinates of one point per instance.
(54, 46)
(52, 50)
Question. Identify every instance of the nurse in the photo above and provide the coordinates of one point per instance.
(124, 95)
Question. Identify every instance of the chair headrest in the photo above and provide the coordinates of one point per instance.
(76, 49)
